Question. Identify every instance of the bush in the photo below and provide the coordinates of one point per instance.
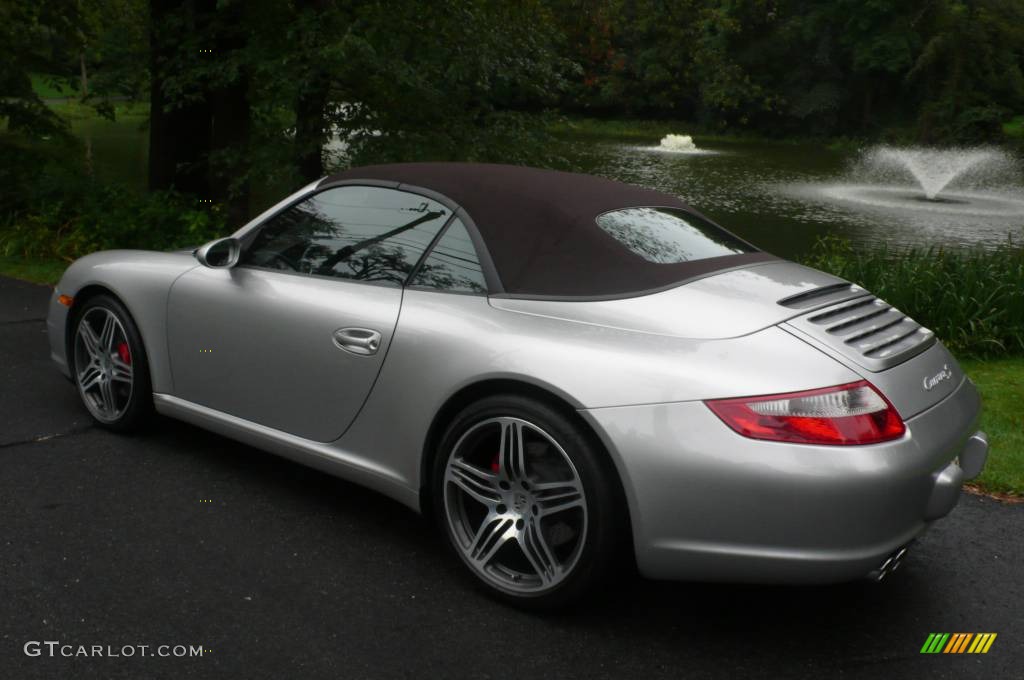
(973, 300)
(51, 209)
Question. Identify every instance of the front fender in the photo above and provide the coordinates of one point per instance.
(142, 281)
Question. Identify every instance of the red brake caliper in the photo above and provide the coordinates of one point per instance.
(495, 464)
(124, 353)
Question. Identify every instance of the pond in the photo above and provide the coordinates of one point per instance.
(781, 197)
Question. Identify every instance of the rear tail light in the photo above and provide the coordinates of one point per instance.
(855, 413)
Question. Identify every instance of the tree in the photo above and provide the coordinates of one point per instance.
(27, 30)
(199, 101)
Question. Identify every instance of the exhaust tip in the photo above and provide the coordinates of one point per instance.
(888, 566)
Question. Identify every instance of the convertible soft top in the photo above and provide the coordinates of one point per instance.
(540, 231)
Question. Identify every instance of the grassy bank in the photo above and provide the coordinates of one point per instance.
(51, 87)
(650, 130)
(1014, 128)
(1001, 383)
(627, 129)
(640, 131)
(126, 112)
(45, 271)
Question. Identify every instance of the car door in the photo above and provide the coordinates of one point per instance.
(293, 337)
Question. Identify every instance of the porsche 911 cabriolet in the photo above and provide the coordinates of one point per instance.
(566, 372)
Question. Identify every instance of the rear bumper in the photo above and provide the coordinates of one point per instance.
(709, 504)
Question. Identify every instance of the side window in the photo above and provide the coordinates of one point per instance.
(351, 232)
(452, 265)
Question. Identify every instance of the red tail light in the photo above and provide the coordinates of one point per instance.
(855, 413)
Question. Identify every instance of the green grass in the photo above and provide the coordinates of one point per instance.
(1001, 383)
(73, 110)
(50, 87)
(1014, 128)
(647, 130)
(37, 270)
(623, 129)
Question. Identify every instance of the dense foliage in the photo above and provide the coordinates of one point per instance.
(973, 300)
(260, 85)
(249, 92)
(938, 70)
(274, 81)
(50, 209)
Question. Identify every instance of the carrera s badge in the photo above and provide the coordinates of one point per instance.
(944, 374)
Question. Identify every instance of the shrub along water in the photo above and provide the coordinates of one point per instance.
(51, 209)
(972, 299)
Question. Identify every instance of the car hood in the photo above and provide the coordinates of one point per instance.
(725, 305)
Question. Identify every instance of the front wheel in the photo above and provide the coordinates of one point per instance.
(109, 365)
(526, 501)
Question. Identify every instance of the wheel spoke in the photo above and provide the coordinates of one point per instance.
(90, 377)
(90, 342)
(512, 459)
(536, 549)
(479, 485)
(122, 371)
(555, 497)
(106, 341)
(107, 397)
(491, 535)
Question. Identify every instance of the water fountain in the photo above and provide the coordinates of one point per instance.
(677, 145)
(978, 181)
(935, 169)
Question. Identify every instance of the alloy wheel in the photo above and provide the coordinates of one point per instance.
(103, 364)
(515, 505)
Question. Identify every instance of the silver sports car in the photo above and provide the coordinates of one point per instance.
(568, 373)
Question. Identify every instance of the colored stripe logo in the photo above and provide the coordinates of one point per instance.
(958, 643)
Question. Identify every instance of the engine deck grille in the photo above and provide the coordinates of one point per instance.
(866, 330)
(824, 295)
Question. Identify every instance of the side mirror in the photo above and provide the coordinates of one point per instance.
(220, 254)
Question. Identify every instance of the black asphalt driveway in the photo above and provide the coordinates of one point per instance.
(288, 573)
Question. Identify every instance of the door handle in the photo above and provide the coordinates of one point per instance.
(358, 340)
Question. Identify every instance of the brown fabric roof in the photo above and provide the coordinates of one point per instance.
(539, 226)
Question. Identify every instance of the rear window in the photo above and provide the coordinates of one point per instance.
(669, 235)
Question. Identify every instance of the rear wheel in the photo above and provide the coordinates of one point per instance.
(109, 365)
(526, 501)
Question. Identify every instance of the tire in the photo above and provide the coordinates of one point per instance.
(542, 544)
(109, 365)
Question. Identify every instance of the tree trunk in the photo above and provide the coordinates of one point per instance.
(310, 128)
(81, 54)
(311, 107)
(179, 137)
(866, 112)
(85, 77)
(231, 121)
(230, 132)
